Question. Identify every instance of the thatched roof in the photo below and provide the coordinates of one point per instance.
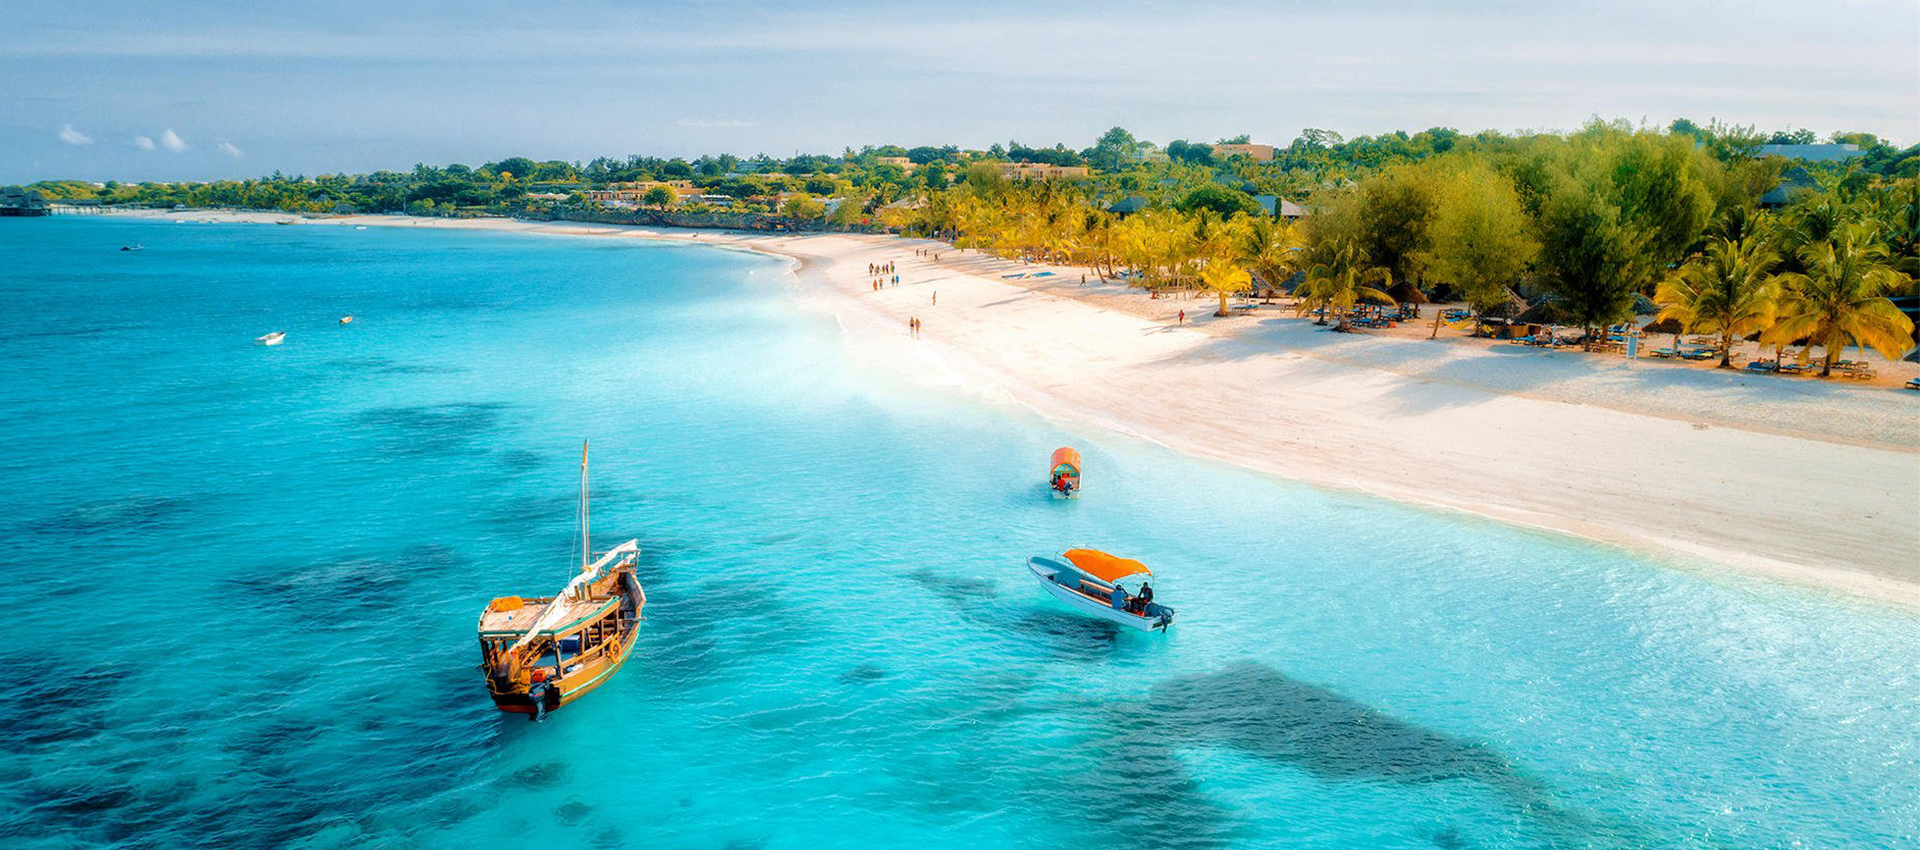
(1407, 293)
(1644, 306)
(1664, 326)
(1914, 355)
(1541, 313)
(1508, 309)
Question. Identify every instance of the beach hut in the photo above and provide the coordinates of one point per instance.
(1497, 321)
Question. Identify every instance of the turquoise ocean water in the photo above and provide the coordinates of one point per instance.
(242, 585)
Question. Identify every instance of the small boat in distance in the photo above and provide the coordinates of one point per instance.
(542, 653)
(134, 247)
(346, 320)
(283, 221)
(274, 338)
(1064, 482)
(1086, 579)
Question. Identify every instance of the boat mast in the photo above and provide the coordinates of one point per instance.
(585, 556)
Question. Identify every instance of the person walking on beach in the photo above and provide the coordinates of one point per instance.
(1183, 317)
(936, 298)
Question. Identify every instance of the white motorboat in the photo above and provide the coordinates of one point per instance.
(346, 320)
(1086, 579)
(274, 338)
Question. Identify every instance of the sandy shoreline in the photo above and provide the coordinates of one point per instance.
(1807, 482)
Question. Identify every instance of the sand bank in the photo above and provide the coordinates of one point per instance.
(1813, 483)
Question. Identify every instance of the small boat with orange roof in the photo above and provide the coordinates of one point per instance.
(1091, 581)
(1064, 481)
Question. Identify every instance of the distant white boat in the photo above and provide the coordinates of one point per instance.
(134, 247)
(274, 338)
(359, 227)
(284, 221)
(346, 320)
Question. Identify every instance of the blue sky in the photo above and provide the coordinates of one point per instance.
(145, 90)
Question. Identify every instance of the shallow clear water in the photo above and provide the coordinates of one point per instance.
(243, 585)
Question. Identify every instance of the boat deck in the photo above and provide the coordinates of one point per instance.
(518, 621)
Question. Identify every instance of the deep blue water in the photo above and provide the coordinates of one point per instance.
(242, 586)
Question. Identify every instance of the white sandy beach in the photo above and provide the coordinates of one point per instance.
(1811, 482)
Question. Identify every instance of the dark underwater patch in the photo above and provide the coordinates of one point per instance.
(389, 366)
(572, 812)
(126, 514)
(1260, 711)
(957, 589)
(862, 674)
(433, 429)
(346, 591)
(520, 460)
(542, 775)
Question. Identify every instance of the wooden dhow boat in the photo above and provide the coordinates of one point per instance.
(542, 653)
(1088, 578)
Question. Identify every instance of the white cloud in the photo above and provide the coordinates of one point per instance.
(228, 149)
(73, 137)
(172, 141)
(715, 122)
(144, 143)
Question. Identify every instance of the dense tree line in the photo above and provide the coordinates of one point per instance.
(1590, 221)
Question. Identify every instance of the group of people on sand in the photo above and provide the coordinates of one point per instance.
(913, 327)
(880, 283)
(926, 252)
(1131, 604)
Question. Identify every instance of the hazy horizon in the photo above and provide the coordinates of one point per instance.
(126, 91)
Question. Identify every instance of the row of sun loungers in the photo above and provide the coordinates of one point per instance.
(1855, 369)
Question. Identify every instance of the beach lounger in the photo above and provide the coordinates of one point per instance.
(1914, 384)
(1761, 366)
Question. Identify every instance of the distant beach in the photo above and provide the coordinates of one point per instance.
(1811, 482)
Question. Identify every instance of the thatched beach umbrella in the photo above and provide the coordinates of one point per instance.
(1407, 293)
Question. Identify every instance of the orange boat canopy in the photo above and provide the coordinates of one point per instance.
(1107, 568)
(1069, 458)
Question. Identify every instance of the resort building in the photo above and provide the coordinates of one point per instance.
(1813, 153)
(635, 193)
(1276, 206)
(902, 162)
(1258, 153)
(1039, 171)
(1796, 179)
(15, 201)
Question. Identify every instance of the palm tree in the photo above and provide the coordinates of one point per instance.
(1840, 299)
(1728, 289)
(1271, 249)
(1345, 278)
(1224, 276)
